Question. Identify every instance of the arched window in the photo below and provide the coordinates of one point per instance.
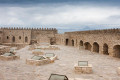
(7, 37)
(19, 37)
(13, 39)
(26, 39)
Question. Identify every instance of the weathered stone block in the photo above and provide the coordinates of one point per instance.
(83, 69)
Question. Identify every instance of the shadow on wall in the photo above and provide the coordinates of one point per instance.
(67, 40)
(116, 51)
(87, 46)
(72, 42)
(96, 47)
(105, 49)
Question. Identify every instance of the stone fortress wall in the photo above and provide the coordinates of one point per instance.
(24, 36)
(98, 41)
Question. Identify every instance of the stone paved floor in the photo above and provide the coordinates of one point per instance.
(104, 67)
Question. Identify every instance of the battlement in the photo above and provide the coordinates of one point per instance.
(22, 28)
(104, 31)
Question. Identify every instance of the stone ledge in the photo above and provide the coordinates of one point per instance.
(7, 58)
(37, 62)
(37, 53)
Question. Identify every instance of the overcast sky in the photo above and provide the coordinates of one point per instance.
(65, 15)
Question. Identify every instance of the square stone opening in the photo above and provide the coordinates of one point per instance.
(57, 77)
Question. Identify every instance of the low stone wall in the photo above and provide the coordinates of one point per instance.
(37, 53)
(83, 69)
(4, 49)
(7, 58)
(50, 48)
(37, 62)
(32, 47)
(41, 62)
(18, 45)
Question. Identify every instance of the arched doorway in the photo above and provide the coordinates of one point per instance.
(116, 50)
(81, 43)
(13, 39)
(95, 47)
(26, 39)
(67, 40)
(72, 42)
(87, 46)
(105, 49)
(52, 40)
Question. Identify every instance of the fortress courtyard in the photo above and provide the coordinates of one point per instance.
(104, 66)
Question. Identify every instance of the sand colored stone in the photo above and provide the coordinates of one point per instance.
(83, 69)
(8, 58)
(37, 52)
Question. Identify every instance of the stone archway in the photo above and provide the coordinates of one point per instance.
(105, 49)
(95, 47)
(72, 42)
(26, 39)
(116, 51)
(87, 46)
(81, 43)
(13, 39)
(66, 42)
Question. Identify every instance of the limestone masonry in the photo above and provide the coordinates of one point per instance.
(98, 41)
(25, 36)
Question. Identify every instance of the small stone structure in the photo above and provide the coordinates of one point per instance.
(4, 49)
(37, 51)
(51, 56)
(37, 60)
(9, 56)
(83, 68)
(41, 60)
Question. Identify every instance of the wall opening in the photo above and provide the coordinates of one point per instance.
(116, 50)
(13, 39)
(87, 46)
(105, 49)
(95, 47)
(26, 39)
(52, 41)
(19, 37)
(81, 43)
(7, 37)
(72, 42)
(67, 40)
